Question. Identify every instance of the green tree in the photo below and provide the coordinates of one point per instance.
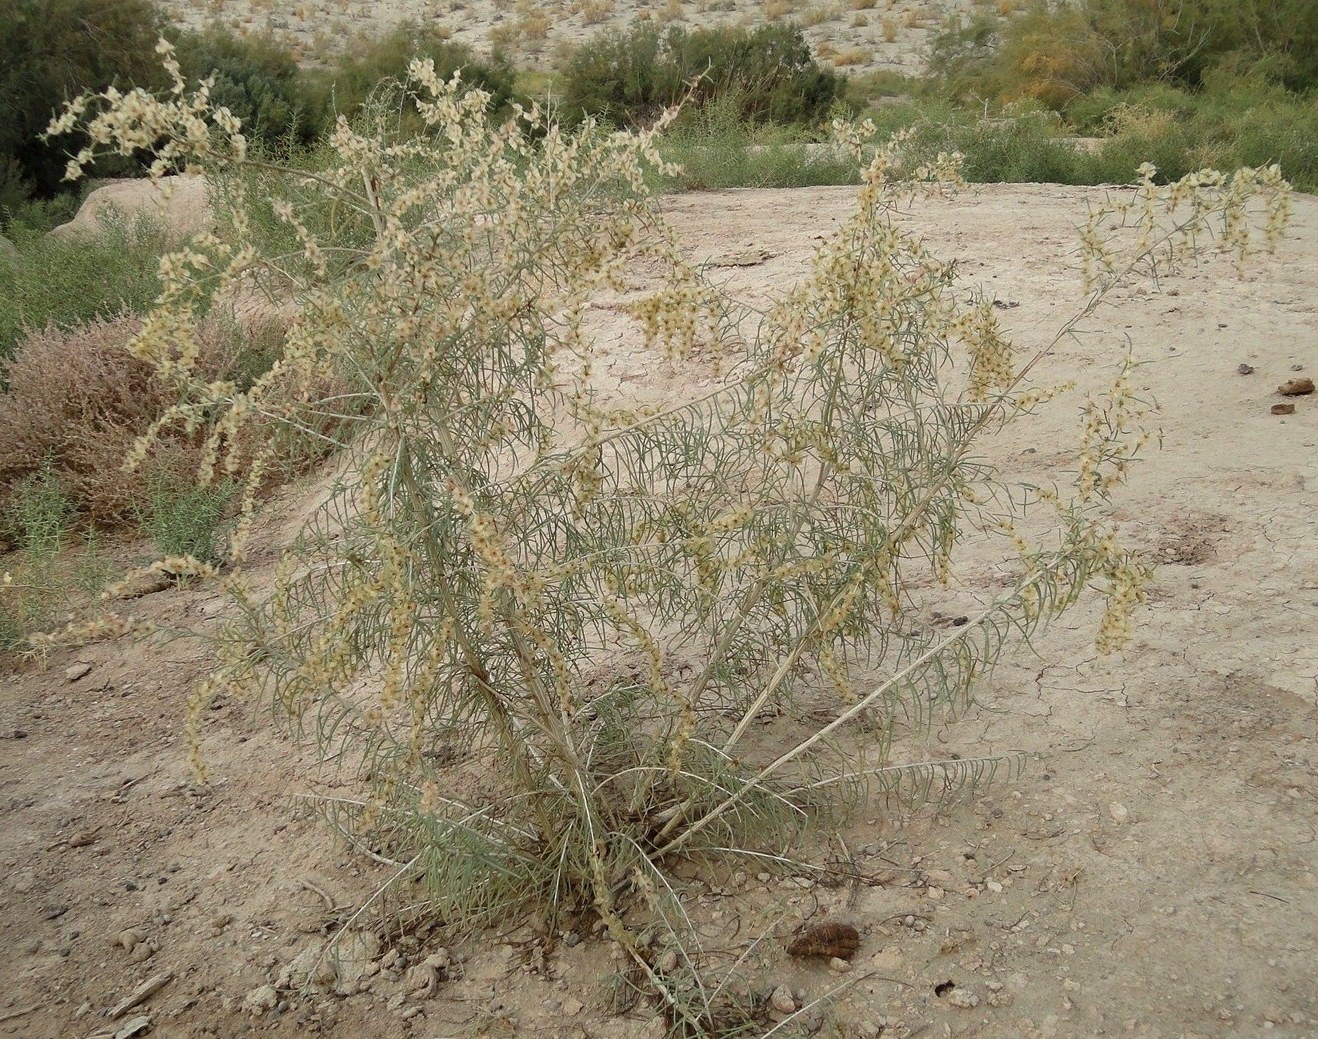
(50, 51)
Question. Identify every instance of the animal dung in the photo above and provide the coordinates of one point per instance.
(1283, 409)
(1296, 388)
(831, 941)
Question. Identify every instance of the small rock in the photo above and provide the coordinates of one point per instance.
(134, 1026)
(1296, 387)
(781, 1000)
(310, 968)
(839, 965)
(422, 981)
(1118, 812)
(76, 671)
(573, 1006)
(1283, 409)
(130, 938)
(439, 959)
(963, 999)
(667, 963)
(82, 839)
(934, 894)
(260, 1000)
(353, 959)
(1245, 369)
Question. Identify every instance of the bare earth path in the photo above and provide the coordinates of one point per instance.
(1152, 876)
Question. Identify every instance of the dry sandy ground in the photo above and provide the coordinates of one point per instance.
(1152, 876)
(856, 35)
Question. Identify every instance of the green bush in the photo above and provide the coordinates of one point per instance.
(715, 149)
(28, 216)
(343, 88)
(185, 519)
(1057, 53)
(628, 79)
(51, 50)
(69, 279)
(39, 512)
(544, 626)
(258, 80)
(42, 578)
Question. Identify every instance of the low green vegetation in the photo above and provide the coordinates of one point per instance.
(1185, 84)
(68, 279)
(764, 75)
(184, 519)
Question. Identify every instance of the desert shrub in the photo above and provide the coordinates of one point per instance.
(714, 149)
(78, 400)
(544, 623)
(183, 518)
(27, 217)
(628, 79)
(39, 512)
(258, 79)
(1020, 148)
(49, 568)
(67, 280)
(345, 85)
(1229, 121)
(1056, 53)
(51, 50)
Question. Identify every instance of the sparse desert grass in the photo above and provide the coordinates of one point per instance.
(851, 56)
(592, 12)
(818, 15)
(889, 31)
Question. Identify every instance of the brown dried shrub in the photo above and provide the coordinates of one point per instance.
(78, 399)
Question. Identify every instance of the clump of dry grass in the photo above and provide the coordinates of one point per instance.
(78, 401)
